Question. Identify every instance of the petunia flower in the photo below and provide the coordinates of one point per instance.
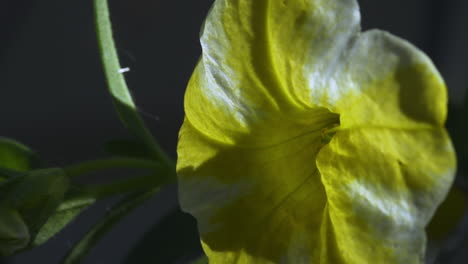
(308, 141)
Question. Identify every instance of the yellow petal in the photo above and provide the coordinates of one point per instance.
(383, 186)
(275, 80)
(385, 81)
(253, 204)
(254, 58)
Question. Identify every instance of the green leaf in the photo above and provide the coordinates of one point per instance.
(14, 234)
(34, 197)
(63, 215)
(174, 239)
(121, 96)
(122, 209)
(37, 195)
(81, 197)
(16, 156)
(127, 148)
(6, 174)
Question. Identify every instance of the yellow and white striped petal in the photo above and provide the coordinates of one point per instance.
(382, 187)
(254, 54)
(384, 81)
(276, 80)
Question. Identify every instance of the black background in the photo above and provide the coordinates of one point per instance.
(53, 96)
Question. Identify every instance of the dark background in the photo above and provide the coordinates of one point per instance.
(53, 95)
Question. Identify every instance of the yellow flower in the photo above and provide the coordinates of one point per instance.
(307, 141)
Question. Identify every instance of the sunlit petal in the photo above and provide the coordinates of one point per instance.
(306, 141)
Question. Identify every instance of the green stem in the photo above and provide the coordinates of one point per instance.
(110, 163)
(121, 96)
(90, 239)
(133, 184)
